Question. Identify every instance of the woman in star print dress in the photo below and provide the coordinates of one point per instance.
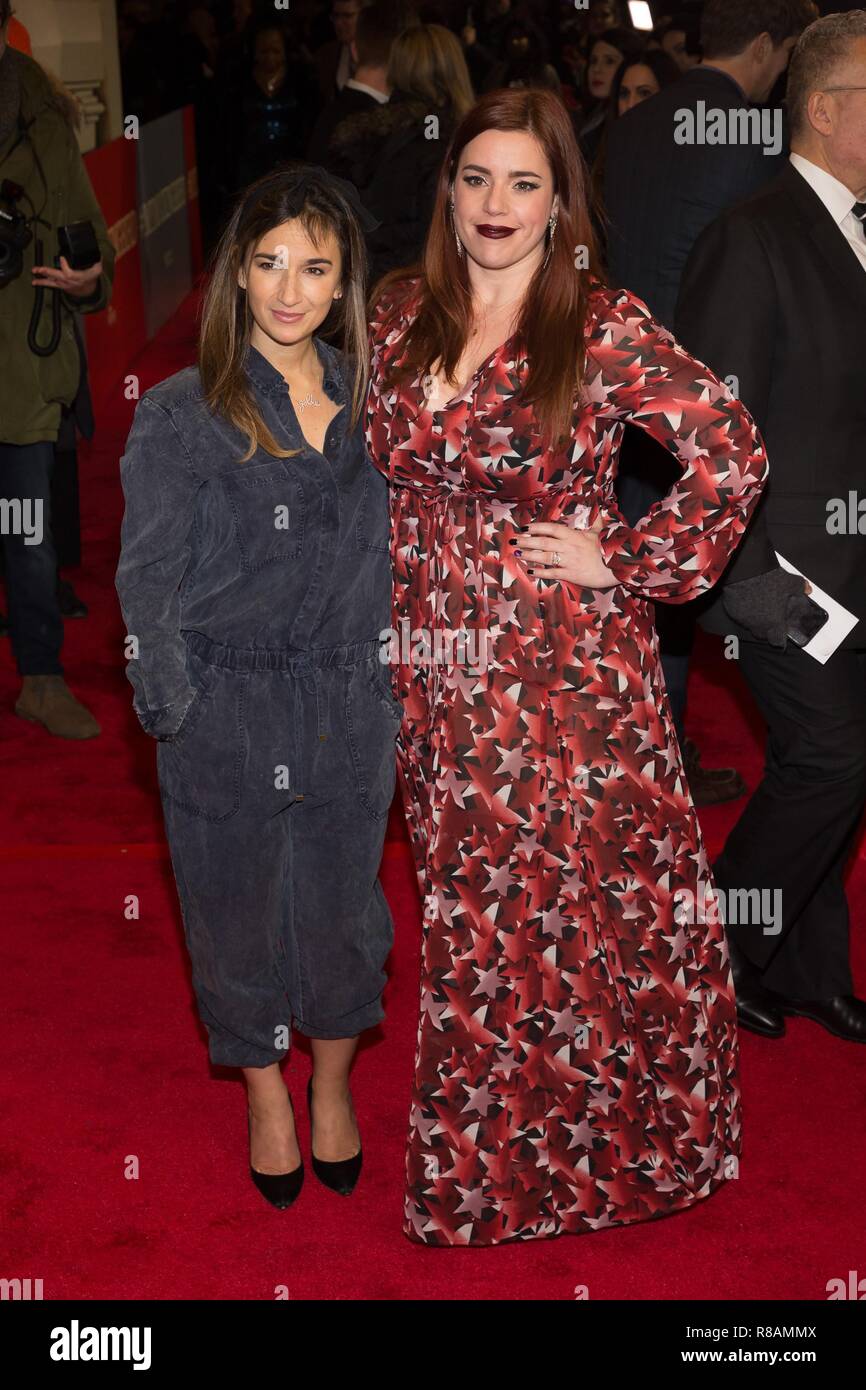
(576, 1061)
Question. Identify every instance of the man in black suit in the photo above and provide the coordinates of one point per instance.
(661, 190)
(333, 60)
(774, 295)
(666, 179)
(370, 50)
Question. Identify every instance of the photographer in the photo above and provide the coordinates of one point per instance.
(44, 190)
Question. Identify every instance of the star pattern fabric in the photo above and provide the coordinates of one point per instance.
(576, 1060)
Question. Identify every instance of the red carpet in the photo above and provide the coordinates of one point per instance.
(123, 1155)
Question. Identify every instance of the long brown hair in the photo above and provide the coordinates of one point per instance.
(294, 190)
(550, 330)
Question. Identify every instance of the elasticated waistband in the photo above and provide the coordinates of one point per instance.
(279, 658)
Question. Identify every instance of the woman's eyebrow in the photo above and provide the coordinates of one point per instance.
(512, 173)
(311, 260)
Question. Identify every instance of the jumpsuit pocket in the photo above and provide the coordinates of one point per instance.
(382, 686)
(192, 715)
(373, 519)
(269, 511)
(200, 768)
(373, 716)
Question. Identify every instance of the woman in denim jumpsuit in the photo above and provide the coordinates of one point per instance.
(254, 593)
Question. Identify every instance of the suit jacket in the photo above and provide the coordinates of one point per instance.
(402, 189)
(774, 295)
(660, 195)
(326, 60)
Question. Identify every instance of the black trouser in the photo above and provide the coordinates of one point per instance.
(65, 505)
(796, 831)
(35, 624)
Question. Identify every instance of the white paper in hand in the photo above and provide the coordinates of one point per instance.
(839, 622)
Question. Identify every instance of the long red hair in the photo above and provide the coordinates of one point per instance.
(550, 330)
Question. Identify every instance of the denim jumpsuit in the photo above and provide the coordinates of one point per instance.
(254, 596)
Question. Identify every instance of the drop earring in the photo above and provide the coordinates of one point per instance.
(454, 225)
(552, 229)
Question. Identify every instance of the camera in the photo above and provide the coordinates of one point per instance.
(15, 234)
(77, 242)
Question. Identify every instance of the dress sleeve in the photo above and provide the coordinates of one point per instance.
(159, 488)
(379, 318)
(389, 315)
(637, 373)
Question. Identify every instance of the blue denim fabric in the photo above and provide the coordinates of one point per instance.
(258, 671)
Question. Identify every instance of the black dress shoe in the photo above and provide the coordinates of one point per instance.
(339, 1176)
(758, 1009)
(280, 1189)
(844, 1015)
(760, 1018)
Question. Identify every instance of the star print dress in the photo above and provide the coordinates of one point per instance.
(576, 1062)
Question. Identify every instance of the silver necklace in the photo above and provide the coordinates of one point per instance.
(303, 401)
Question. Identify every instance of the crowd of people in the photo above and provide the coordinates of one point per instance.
(270, 84)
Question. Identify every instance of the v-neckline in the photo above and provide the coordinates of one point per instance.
(461, 395)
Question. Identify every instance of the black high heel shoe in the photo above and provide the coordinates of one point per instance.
(339, 1176)
(280, 1189)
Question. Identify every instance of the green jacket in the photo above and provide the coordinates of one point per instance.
(33, 388)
